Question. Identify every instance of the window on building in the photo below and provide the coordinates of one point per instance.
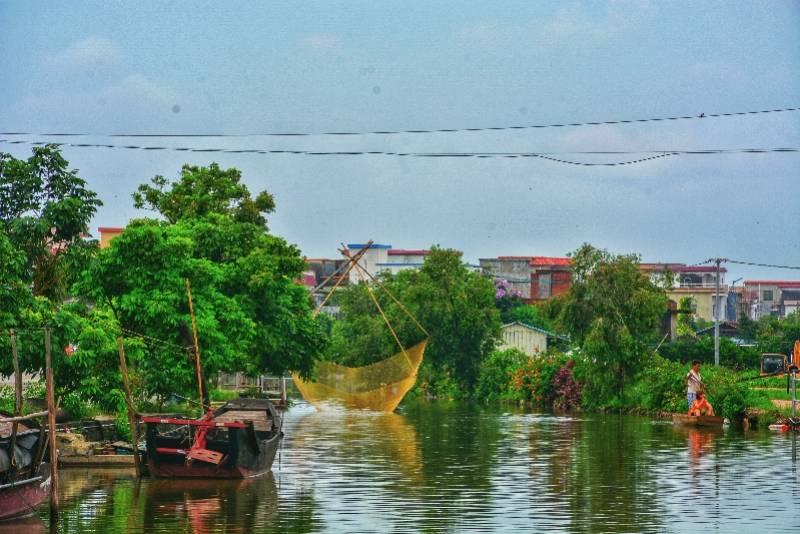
(545, 286)
(766, 294)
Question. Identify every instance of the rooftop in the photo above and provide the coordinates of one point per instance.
(546, 260)
(779, 283)
(408, 252)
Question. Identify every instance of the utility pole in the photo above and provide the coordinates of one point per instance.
(716, 314)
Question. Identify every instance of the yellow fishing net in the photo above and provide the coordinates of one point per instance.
(378, 386)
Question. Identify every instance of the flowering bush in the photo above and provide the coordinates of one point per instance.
(506, 297)
(545, 380)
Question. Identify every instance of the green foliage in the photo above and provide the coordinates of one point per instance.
(204, 191)
(251, 315)
(662, 387)
(45, 211)
(529, 314)
(455, 305)
(702, 349)
(497, 373)
(686, 323)
(612, 311)
(777, 334)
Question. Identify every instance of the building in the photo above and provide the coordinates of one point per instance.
(399, 259)
(550, 277)
(695, 281)
(528, 339)
(108, 233)
(536, 278)
(771, 297)
(377, 253)
(514, 269)
(383, 258)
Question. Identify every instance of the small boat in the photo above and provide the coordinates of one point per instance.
(25, 480)
(23, 496)
(238, 440)
(697, 420)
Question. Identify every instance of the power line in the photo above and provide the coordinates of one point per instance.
(751, 264)
(423, 131)
(754, 264)
(656, 154)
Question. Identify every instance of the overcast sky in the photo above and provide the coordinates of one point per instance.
(189, 67)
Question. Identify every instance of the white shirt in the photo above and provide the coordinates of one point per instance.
(693, 381)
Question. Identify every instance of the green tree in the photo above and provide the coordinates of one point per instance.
(455, 305)
(203, 191)
(15, 293)
(45, 211)
(686, 324)
(251, 313)
(612, 311)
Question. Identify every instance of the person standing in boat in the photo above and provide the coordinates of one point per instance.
(693, 382)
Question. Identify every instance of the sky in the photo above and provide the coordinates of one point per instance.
(260, 67)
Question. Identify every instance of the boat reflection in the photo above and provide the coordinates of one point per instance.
(211, 505)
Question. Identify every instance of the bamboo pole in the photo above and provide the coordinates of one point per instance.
(196, 349)
(24, 417)
(123, 367)
(51, 427)
(17, 397)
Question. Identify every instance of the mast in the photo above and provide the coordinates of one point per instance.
(197, 367)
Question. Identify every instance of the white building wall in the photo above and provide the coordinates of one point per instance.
(531, 342)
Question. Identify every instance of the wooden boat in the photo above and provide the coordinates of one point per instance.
(23, 496)
(24, 482)
(238, 440)
(697, 420)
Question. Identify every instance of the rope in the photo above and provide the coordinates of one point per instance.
(388, 292)
(341, 278)
(386, 320)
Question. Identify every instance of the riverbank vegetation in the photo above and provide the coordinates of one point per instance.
(207, 228)
(606, 349)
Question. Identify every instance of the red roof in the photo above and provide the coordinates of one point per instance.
(408, 252)
(545, 260)
(111, 229)
(779, 283)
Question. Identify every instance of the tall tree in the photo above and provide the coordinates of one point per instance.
(612, 311)
(251, 314)
(45, 211)
(455, 305)
(203, 191)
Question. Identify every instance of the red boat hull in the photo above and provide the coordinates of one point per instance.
(24, 499)
(165, 470)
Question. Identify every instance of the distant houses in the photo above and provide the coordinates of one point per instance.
(697, 282)
(539, 278)
(536, 278)
(771, 297)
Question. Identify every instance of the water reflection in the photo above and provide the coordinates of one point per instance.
(450, 467)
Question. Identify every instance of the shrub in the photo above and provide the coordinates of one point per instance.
(702, 349)
(495, 375)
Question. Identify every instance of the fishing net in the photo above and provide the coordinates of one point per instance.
(378, 386)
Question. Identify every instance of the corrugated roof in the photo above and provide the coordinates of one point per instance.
(536, 328)
(546, 260)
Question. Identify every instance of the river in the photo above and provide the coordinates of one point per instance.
(456, 467)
